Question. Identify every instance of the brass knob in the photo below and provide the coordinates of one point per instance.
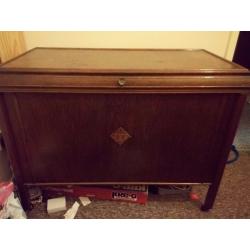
(121, 82)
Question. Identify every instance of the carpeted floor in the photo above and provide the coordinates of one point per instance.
(233, 201)
(242, 138)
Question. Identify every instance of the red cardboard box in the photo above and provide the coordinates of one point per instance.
(102, 193)
(112, 194)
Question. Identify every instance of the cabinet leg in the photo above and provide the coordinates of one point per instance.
(210, 197)
(24, 197)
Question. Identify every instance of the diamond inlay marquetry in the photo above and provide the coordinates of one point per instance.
(120, 136)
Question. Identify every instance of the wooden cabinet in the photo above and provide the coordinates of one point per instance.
(102, 116)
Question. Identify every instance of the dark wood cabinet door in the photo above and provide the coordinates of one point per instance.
(119, 137)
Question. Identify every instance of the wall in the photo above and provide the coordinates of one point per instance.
(11, 44)
(221, 43)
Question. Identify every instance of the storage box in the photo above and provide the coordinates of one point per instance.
(123, 193)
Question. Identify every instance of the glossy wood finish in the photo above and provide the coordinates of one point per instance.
(179, 109)
(58, 60)
(206, 83)
(167, 140)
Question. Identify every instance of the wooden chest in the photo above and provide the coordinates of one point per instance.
(103, 116)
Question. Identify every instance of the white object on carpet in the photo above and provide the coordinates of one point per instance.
(56, 205)
(71, 213)
(85, 201)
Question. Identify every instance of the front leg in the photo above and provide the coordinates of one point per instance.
(210, 197)
(23, 192)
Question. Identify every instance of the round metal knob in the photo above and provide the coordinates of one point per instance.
(121, 82)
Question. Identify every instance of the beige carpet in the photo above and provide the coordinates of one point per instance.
(233, 201)
(242, 138)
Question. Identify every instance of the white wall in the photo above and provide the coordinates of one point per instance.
(221, 43)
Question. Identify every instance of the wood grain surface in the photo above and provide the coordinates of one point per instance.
(67, 137)
(73, 60)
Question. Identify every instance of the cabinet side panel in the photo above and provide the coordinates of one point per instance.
(9, 140)
(18, 135)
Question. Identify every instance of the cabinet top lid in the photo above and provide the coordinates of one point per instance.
(120, 61)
